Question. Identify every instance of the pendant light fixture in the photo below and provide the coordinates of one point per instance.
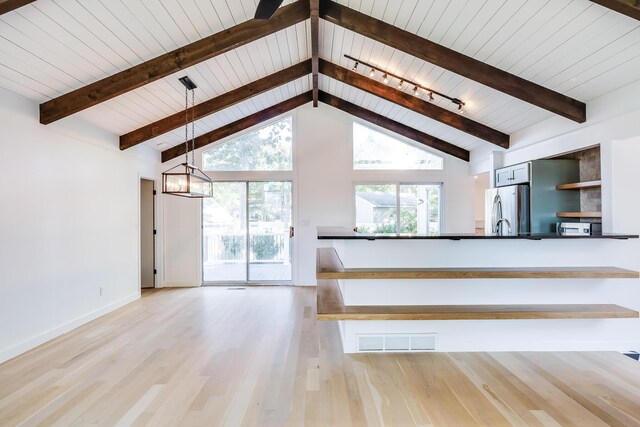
(185, 179)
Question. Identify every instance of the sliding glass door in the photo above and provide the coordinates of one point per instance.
(247, 232)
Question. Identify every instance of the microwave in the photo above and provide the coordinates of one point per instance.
(574, 228)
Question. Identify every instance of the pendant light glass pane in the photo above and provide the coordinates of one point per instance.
(200, 187)
(176, 183)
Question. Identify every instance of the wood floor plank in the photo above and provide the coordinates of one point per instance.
(208, 356)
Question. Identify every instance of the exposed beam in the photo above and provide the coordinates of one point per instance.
(218, 103)
(9, 5)
(394, 126)
(171, 62)
(451, 60)
(314, 6)
(630, 8)
(414, 103)
(240, 125)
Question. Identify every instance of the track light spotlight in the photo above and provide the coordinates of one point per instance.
(460, 110)
(400, 84)
(355, 67)
(430, 96)
(415, 90)
(372, 73)
(385, 78)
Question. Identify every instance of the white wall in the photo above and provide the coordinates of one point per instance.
(69, 221)
(323, 195)
(481, 185)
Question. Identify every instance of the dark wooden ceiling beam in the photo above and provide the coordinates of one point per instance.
(213, 105)
(9, 5)
(453, 61)
(414, 103)
(394, 126)
(240, 125)
(169, 63)
(314, 6)
(631, 8)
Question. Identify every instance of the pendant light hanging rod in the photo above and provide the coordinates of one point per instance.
(186, 179)
(193, 127)
(189, 85)
(403, 80)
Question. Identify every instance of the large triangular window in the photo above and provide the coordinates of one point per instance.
(266, 149)
(373, 150)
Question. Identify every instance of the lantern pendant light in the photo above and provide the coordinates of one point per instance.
(186, 179)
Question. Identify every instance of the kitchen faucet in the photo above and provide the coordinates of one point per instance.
(498, 229)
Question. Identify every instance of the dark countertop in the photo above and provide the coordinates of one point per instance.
(340, 233)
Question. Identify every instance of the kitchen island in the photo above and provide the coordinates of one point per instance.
(462, 292)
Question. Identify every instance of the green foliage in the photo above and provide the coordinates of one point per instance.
(266, 247)
(265, 149)
(232, 246)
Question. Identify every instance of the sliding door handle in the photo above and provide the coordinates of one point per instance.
(291, 232)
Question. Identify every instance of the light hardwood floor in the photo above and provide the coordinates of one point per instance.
(211, 356)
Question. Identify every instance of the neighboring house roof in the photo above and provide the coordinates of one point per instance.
(385, 200)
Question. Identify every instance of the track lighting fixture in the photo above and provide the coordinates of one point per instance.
(416, 86)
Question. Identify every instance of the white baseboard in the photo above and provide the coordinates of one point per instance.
(177, 285)
(24, 346)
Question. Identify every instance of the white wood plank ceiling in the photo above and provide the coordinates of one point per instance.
(575, 47)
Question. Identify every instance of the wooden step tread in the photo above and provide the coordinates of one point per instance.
(329, 266)
(580, 185)
(579, 214)
(330, 306)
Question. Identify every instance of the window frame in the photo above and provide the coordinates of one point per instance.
(397, 184)
(234, 176)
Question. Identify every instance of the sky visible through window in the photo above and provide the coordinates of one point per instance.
(373, 150)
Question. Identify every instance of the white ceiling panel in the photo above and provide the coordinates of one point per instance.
(483, 104)
(575, 47)
(399, 114)
(236, 112)
(213, 77)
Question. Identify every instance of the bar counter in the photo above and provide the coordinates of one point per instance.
(343, 233)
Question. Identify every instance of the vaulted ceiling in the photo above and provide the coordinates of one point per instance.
(577, 48)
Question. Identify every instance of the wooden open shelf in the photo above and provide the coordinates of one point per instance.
(331, 307)
(579, 214)
(580, 185)
(329, 266)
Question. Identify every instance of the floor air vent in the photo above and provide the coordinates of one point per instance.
(396, 343)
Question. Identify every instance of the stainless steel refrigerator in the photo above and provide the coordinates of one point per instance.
(507, 210)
